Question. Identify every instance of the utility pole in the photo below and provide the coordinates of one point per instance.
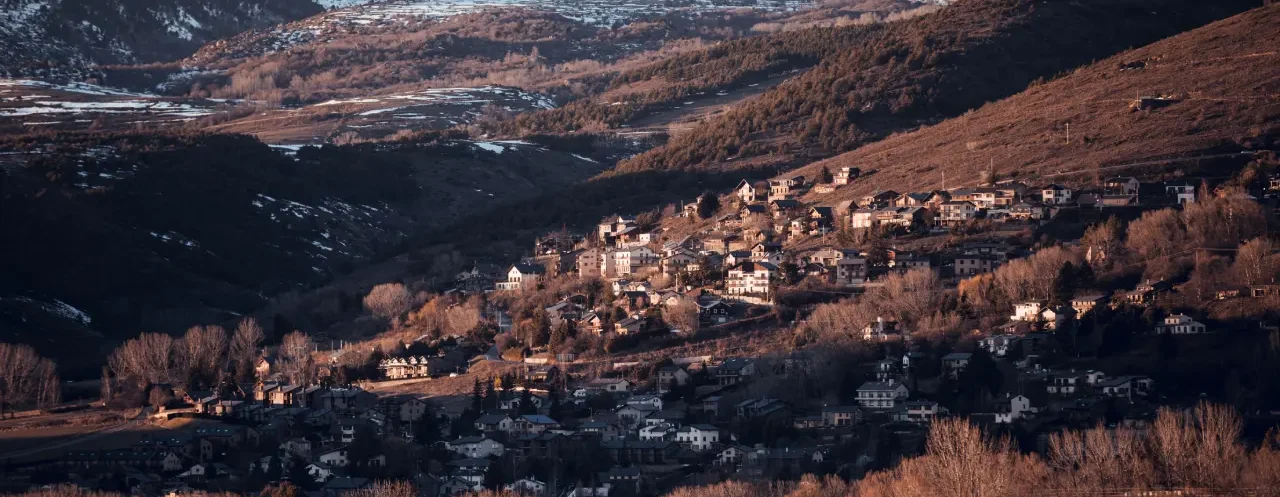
(1068, 133)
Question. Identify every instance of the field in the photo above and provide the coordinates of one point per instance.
(49, 435)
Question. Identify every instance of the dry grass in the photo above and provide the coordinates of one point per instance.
(1227, 76)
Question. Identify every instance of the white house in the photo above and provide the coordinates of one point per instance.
(335, 458)
(917, 411)
(1180, 324)
(319, 471)
(522, 277)
(881, 395)
(956, 212)
(999, 345)
(1184, 192)
(698, 437)
(880, 330)
(1125, 386)
(527, 486)
(1065, 383)
(1056, 195)
(475, 447)
(652, 401)
(1012, 409)
(1028, 311)
(750, 278)
(660, 431)
(613, 385)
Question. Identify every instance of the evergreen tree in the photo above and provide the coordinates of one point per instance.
(708, 204)
(477, 397)
(426, 431)
(825, 176)
(526, 403)
(490, 397)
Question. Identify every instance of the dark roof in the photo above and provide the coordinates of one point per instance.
(530, 268)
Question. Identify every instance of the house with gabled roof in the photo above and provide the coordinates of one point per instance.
(881, 394)
(522, 277)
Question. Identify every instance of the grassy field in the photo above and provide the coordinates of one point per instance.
(34, 443)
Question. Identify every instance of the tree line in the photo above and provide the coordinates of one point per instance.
(26, 379)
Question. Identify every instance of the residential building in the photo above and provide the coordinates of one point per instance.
(1180, 324)
(735, 370)
(956, 212)
(836, 416)
(845, 175)
(1085, 303)
(698, 437)
(522, 277)
(750, 278)
(955, 362)
(881, 395)
(1182, 191)
(1056, 195)
(969, 265)
(917, 411)
(1012, 409)
(478, 447)
(1121, 186)
(881, 330)
(671, 376)
(1028, 311)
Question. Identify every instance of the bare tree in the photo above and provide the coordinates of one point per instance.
(148, 358)
(462, 317)
(200, 354)
(683, 315)
(245, 347)
(388, 300)
(1256, 262)
(1198, 447)
(1157, 234)
(26, 379)
(296, 360)
(1103, 244)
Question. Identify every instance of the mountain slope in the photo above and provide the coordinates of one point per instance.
(1223, 81)
(160, 232)
(898, 76)
(972, 44)
(63, 38)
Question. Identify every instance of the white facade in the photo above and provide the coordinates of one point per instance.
(1181, 324)
(698, 437)
(1056, 195)
(1027, 311)
(881, 395)
(474, 448)
(750, 278)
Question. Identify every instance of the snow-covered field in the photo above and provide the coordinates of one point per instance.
(598, 12)
(439, 108)
(498, 95)
(31, 103)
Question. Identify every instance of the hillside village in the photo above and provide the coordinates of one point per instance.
(1058, 324)
(556, 419)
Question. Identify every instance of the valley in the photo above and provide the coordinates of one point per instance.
(653, 248)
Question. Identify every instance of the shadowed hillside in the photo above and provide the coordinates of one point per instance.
(159, 232)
